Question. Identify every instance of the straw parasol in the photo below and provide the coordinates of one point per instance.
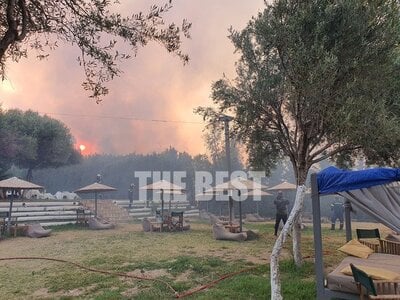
(163, 186)
(283, 186)
(95, 188)
(16, 184)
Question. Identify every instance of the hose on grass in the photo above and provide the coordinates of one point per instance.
(212, 283)
(91, 269)
(176, 294)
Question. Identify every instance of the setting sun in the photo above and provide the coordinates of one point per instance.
(86, 148)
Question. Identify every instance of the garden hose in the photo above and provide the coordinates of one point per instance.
(91, 269)
(176, 294)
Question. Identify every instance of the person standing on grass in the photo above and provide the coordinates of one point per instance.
(281, 210)
(130, 194)
(337, 209)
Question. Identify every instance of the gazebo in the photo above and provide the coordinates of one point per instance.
(16, 184)
(374, 191)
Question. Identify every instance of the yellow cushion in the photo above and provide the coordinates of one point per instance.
(355, 248)
(375, 273)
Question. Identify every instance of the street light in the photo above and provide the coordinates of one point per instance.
(226, 119)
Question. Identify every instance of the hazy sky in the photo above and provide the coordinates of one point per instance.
(154, 86)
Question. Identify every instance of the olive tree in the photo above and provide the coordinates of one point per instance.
(38, 141)
(94, 26)
(316, 79)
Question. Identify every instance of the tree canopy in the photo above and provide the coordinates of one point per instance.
(31, 141)
(94, 26)
(317, 79)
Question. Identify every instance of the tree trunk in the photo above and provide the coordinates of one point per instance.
(297, 225)
(293, 218)
(297, 256)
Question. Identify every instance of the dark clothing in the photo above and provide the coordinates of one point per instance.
(281, 211)
(281, 205)
(278, 219)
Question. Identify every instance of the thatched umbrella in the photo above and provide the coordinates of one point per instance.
(16, 184)
(237, 184)
(163, 186)
(95, 188)
(283, 186)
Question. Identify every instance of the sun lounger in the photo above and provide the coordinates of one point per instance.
(37, 231)
(220, 233)
(99, 224)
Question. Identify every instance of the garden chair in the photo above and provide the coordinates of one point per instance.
(378, 290)
(177, 220)
(369, 237)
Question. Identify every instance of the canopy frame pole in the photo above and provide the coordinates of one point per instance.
(319, 263)
(322, 292)
(347, 217)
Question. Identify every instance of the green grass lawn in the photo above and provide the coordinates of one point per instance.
(180, 261)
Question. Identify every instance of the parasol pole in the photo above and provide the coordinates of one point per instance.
(9, 213)
(162, 204)
(95, 204)
(240, 210)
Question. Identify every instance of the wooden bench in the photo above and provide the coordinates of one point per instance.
(47, 213)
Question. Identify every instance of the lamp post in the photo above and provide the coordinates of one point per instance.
(226, 119)
(98, 180)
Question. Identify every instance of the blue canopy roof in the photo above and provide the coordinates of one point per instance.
(333, 180)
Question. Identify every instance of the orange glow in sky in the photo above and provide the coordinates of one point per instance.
(86, 148)
(154, 86)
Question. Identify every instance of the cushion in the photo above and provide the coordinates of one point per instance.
(375, 273)
(355, 248)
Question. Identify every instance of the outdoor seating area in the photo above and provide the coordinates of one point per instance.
(170, 221)
(370, 289)
(382, 260)
(375, 192)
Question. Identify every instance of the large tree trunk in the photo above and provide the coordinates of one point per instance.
(293, 218)
(297, 225)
